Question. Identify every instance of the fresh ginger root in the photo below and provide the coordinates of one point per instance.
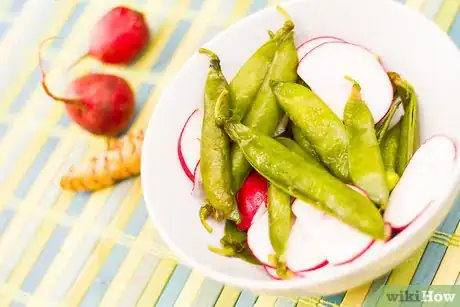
(120, 161)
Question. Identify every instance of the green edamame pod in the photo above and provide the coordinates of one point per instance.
(215, 145)
(264, 113)
(250, 77)
(234, 244)
(302, 140)
(306, 181)
(293, 146)
(389, 149)
(381, 129)
(323, 128)
(409, 138)
(365, 159)
(279, 226)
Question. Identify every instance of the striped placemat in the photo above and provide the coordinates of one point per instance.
(64, 249)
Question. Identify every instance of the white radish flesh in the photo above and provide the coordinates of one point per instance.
(258, 237)
(188, 147)
(339, 242)
(425, 178)
(324, 70)
(311, 44)
(198, 190)
(303, 254)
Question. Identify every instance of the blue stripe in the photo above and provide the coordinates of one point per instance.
(336, 298)
(3, 28)
(33, 172)
(64, 121)
(78, 204)
(67, 28)
(106, 274)
(137, 220)
(44, 261)
(431, 8)
(171, 46)
(256, 6)
(26, 91)
(209, 293)
(174, 287)
(196, 4)
(246, 299)
(142, 96)
(455, 30)
(3, 128)
(17, 5)
(284, 302)
(5, 219)
(434, 252)
(375, 290)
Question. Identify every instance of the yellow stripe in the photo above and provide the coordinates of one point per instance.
(91, 269)
(446, 15)
(416, 4)
(228, 297)
(356, 296)
(156, 284)
(190, 290)
(450, 265)
(241, 6)
(65, 8)
(127, 269)
(402, 274)
(266, 301)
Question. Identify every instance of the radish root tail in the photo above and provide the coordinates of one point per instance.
(45, 87)
(118, 163)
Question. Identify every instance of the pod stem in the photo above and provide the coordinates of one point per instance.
(76, 102)
(215, 61)
(356, 89)
(205, 212)
(284, 13)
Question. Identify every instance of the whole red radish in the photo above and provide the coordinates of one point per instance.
(100, 103)
(118, 37)
(252, 195)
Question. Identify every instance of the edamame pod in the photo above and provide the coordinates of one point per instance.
(215, 164)
(279, 226)
(366, 165)
(302, 140)
(250, 77)
(306, 181)
(389, 148)
(264, 113)
(293, 146)
(409, 138)
(381, 129)
(323, 128)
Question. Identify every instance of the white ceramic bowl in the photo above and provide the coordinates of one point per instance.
(407, 42)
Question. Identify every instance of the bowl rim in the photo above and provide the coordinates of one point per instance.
(352, 268)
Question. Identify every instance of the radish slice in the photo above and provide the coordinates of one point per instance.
(339, 242)
(425, 178)
(311, 44)
(259, 238)
(252, 195)
(272, 272)
(198, 191)
(188, 145)
(303, 254)
(325, 67)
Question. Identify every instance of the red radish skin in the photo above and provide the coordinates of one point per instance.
(119, 37)
(251, 196)
(424, 180)
(102, 104)
(311, 44)
(180, 154)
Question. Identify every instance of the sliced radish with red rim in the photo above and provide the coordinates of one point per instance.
(312, 43)
(324, 69)
(188, 144)
(425, 178)
(258, 237)
(197, 190)
(251, 196)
